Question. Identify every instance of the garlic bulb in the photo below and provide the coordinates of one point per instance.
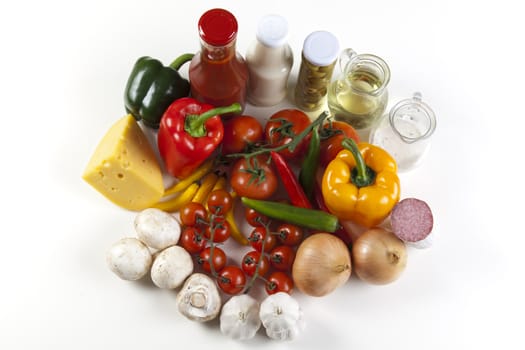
(240, 317)
(199, 298)
(281, 315)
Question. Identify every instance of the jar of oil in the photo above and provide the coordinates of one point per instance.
(359, 96)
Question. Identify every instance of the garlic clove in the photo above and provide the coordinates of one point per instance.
(282, 316)
(199, 298)
(240, 317)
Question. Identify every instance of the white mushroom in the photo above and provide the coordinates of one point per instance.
(157, 228)
(281, 316)
(171, 267)
(240, 317)
(199, 298)
(129, 259)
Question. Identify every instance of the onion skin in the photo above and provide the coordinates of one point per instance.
(379, 257)
(322, 264)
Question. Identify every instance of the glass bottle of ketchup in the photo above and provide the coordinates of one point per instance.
(218, 73)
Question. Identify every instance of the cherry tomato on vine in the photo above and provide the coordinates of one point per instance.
(192, 240)
(192, 213)
(331, 146)
(258, 236)
(278, 281)
(221, 230)
(282, 126)
(231, 280)
(255, 218)
(219, 202)
(282, 257)
(218, 261)
(253, 177)
(251, 260)
(289, 234)
(240, 132)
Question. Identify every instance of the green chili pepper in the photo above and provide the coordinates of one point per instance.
(152, 87)
(309, 218)
(310, 163)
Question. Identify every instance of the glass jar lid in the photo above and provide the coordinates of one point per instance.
(321, 48)
(412, 119)
(218, 27)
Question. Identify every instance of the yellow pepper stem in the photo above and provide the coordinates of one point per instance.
(362, 175)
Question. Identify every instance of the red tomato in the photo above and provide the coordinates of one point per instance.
(219, 202)
(258, 235)
(284, 124)
(192, 213)
(231, 280)
(221, 230)
(239, 133)
(255, 218)
(282, 257)
(253, 259)
(192, 240)
(289, 234)
(279, 282)
(253, 178)
(331, 146)
(218, 261)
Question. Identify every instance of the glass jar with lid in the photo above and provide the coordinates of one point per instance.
(270, 60)
(320, 52)
(405, 132)
(218, 73)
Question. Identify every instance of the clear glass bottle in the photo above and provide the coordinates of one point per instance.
(405, 132)
(320, 51)
(218, 74)
(270, 60)
(359, 96)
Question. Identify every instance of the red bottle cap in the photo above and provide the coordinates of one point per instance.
(217, 27)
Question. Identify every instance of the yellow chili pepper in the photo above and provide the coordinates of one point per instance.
(195, 176)
(361, 184)
(207, 183)
(174, 204)
(230, 218)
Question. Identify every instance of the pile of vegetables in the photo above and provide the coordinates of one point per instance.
(339, 210)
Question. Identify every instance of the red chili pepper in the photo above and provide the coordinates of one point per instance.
(292, 186)
(189, 132)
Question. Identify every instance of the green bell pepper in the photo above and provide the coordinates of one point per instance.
(152, 87)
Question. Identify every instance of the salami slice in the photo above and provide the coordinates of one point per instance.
(412, 220)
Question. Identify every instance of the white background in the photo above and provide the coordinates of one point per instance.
(63, 70)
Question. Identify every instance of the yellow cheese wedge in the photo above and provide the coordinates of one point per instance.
(124, 167)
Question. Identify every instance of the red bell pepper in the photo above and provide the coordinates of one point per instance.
(292, 186)
(189, 132)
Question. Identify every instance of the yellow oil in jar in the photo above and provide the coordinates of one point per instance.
(356, 100)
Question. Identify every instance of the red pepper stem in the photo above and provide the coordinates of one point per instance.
(362, 178)
(194, 123)
(179, 61)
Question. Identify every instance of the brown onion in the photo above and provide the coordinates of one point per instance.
(322, 263)
(379, 256)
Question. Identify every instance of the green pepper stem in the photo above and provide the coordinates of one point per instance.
(194, 123)
(363, 177)
(179, 61)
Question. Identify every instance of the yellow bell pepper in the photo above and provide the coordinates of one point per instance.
(361, 184)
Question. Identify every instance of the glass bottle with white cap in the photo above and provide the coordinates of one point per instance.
(405, 132)
(320, 51)
(269, 60)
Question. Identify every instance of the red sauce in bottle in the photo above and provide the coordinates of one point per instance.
(218, 74)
